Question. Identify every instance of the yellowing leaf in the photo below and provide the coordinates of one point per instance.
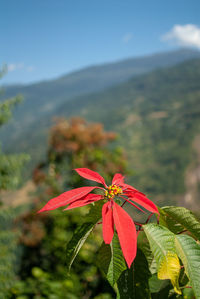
(170, 269)
(162, 244)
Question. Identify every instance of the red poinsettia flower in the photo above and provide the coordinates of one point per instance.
(112, 213)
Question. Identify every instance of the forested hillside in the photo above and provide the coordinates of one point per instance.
(157, 116)
(42, 99)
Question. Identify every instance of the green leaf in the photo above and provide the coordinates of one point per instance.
(156, 284)
(82, 233)
(168, 222)
(111, 260)
(189, 252)
(126, 286)
(133, 282)
(95, 213)
(77, 241)
(104, 258)
(162, 243)
(143, 244)
(159, 288)
(178, 219)
(188, 293)
(164, 293)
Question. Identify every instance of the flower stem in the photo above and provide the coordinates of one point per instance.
(183, 231)
(149, 218)
(123, 204)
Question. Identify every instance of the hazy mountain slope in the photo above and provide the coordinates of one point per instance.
(42, 99)
(158, 118)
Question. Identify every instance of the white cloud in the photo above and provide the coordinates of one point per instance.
(30, 68)
(19, 66)
(15, 66)
(127, 37)
(184, 35)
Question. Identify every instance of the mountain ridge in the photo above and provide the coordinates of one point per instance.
(158, 118)
(157, 115)
(183, 53)
(43, 98)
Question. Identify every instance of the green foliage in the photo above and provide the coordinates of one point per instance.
(79, 237)
(157, 242)
(143, 244)
(166, 244)
(49, 256)
(10, 165)
(162, 243)
(10, 170)
(159, 134)
(143, 280)
(42, 284)
(189, 252)
(158, 127)
(5, 108)
(82, 232)
(188, 293)
(111, 261)
(94, 213)
(46, 237)
(133, 282)
(178, 219)
(159, 288)
(67, 88)
(8, 251)
(156, 114)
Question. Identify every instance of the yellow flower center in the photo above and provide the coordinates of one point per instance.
(112, 191)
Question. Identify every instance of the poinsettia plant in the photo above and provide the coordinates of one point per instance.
(162, 258)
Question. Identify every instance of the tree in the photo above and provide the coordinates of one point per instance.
(10, 170)
(72, 143)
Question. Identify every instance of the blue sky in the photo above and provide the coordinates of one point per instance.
(43, 39)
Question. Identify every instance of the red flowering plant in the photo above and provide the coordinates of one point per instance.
(174, 237)
(113, 215)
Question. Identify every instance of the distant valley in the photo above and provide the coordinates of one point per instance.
(152, 102)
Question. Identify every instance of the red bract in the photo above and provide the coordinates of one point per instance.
(113, 215)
